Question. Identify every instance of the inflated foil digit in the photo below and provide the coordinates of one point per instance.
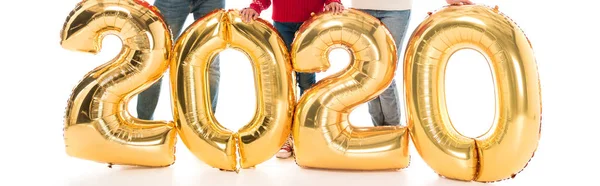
(98, 126)
(323, 135)
(513, 138)
(262, 137)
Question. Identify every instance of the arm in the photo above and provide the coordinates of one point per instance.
(260, 5)
(256, 7)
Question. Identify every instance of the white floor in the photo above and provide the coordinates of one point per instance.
(38, 75)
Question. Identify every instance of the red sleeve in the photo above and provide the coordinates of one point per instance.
(260, 5)
(332, 1)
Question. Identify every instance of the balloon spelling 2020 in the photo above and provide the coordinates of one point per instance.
(99, 128)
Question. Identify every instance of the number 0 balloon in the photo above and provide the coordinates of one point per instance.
(507, 147)
(260, 139)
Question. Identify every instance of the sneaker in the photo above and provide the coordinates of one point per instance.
(286, 150)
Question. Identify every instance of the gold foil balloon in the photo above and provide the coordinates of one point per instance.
(267, 132)
(98, 126)
(323, 135)
(507, 147)
(212, 143)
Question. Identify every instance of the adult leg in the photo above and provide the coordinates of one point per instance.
(287, 31)
(174, 13)
(385, 109)
(305, 81)
(200, 9)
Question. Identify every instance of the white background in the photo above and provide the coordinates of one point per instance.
(38, 75)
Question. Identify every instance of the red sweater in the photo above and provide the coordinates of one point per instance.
(291, 10)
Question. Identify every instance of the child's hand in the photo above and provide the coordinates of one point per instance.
(335, 7)
(459, 2)
(249, 14)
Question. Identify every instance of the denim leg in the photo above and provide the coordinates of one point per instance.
(147, 101)
(385, 108)
(305, 81)
(288, 31)
(375, 111)
(214, 76)
(175, 13)
(200, 8)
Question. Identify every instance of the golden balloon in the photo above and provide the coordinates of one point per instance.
(212, 143)
(98, 126)
(323, 135)
(508, 146)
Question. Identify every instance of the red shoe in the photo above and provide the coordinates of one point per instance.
(287, 150)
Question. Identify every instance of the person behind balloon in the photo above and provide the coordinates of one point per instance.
(175, 13)
(395, 14)
(288, 16)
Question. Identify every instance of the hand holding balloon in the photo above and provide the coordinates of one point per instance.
(334, 7)
(459, 2)
(249, 15)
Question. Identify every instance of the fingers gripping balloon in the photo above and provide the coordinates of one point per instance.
(508, 146)
(97, 124)
(323, 135)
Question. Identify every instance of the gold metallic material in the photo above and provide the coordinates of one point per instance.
(98, 126)
(513, 138)
(323, 135)
(212, 143)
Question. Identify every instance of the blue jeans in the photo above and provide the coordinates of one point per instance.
(175, 13)
(385, 108)
(288, 31)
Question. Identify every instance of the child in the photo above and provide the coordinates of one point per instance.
(175, 12)
(288, 16)
(395, 14)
